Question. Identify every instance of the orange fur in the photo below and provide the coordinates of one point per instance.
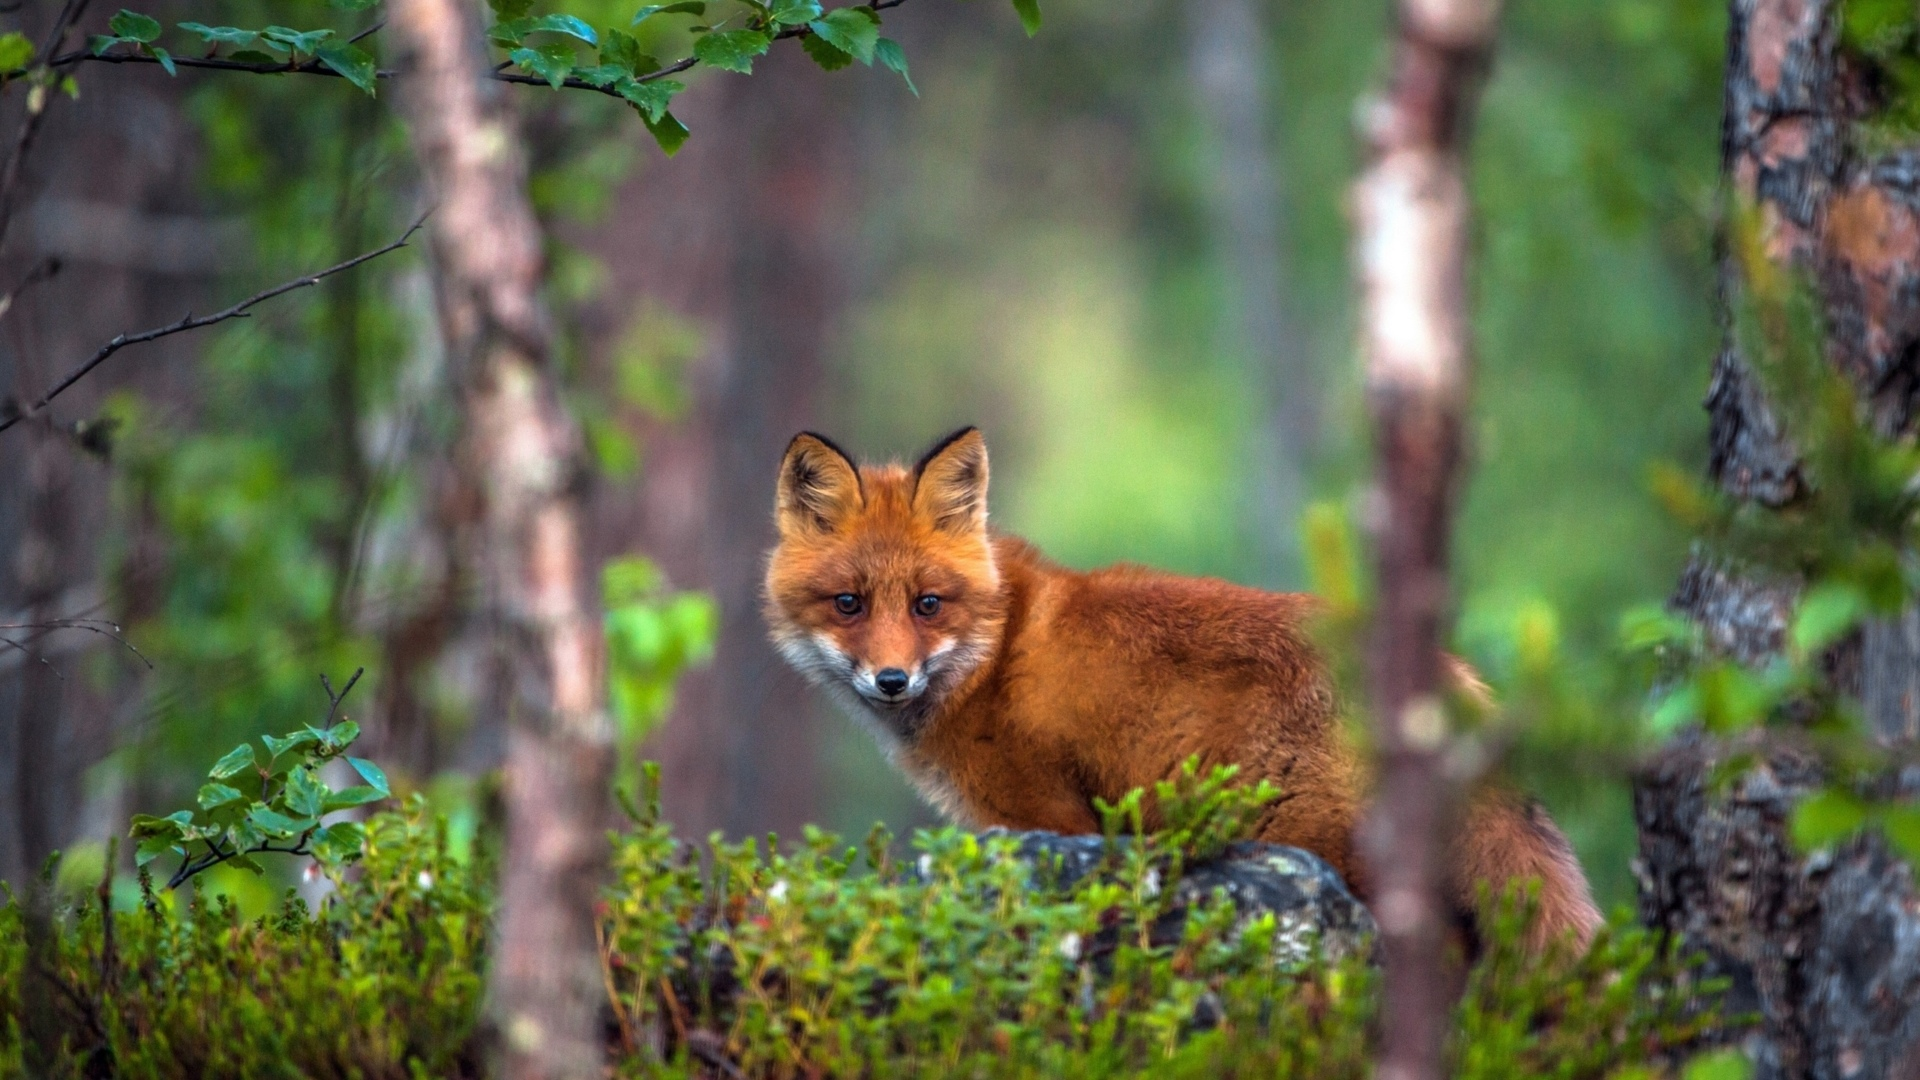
(1013, 691)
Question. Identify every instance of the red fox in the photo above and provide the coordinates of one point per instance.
(1013, 691)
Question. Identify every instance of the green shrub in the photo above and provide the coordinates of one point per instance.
(812, 960)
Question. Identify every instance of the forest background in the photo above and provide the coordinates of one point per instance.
(1094, 245)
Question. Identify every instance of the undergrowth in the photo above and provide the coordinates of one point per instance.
(958, 959)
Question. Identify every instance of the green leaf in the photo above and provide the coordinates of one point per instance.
(562, 24)
(305, 41)
(1674, 710)
(731, 50)
(98, 44)
(212, 795)
(621, 49)
(348, 798)
(338, 842)
(1827, 612)
(602, 75)
(162, 55)
(173, 826)
(153, 847)
(371, 774)
(551, 62)
(342, 734)
(222, 35)
(275, 824)
(1901, 824)
(1651, 626)
(239, 758)
(894, 58)
(668, 131)
(354, 64)
(133, 26)
(510, 9)
(1029, 15)
(824, 53)
(246, 862)
(16, 52)
(854, 31)
(306, 794)
(277, 746)
(652, 99)
(1826, 818)
(795, 12)
(1719, 1065)
(691, 7)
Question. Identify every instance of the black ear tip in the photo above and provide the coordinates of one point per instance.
(937, 448)
(794, 443)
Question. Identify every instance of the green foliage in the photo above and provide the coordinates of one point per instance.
(384, 980)
(1839, 546)
(834, 960)
(273, 801)
(133, 28)
(16, 52)
(653, 636)
(833, 38)
(818, 960)
(1629, 983)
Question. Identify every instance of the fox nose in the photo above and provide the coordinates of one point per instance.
(891, 681)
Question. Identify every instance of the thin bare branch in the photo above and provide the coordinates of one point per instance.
(333, 699)
(94, 626)
(43, 270)
(192, 322)
(38, 98)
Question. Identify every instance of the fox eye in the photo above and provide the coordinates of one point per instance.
(847, 604)
(927, 606)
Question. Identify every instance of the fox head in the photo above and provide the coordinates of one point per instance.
(883, 587)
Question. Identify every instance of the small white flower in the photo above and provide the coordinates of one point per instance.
(425, 880)
(1151, 883)
(778, 892)
(1070, 946)
(311, 874)
(926, 866)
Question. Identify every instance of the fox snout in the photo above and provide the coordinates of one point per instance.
(891, 685)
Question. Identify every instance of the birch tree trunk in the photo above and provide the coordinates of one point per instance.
(1821, 947)
(524, 456)
(1413, 213)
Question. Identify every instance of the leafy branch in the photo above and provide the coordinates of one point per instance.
(11, 415)
(542, 50)
(257, 803)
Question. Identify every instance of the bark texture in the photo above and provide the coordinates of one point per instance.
(1413, 236)
(1823, 948)
(523, 455)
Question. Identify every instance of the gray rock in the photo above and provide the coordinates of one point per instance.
(1318, 917)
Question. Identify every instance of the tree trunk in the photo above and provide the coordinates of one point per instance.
(788, 290)
(1819, 946)
(1232, 78)
(751, 255)
(524, 456)
(1413, 238)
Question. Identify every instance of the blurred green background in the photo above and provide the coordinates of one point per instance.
(1120, 247)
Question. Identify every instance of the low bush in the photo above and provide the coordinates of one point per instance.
(752, 960)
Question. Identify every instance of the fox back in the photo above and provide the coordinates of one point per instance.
(1013, 691)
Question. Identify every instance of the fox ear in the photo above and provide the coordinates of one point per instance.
(950, 482)
(819, 486)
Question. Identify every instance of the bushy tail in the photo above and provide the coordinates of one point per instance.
(1508, 840)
